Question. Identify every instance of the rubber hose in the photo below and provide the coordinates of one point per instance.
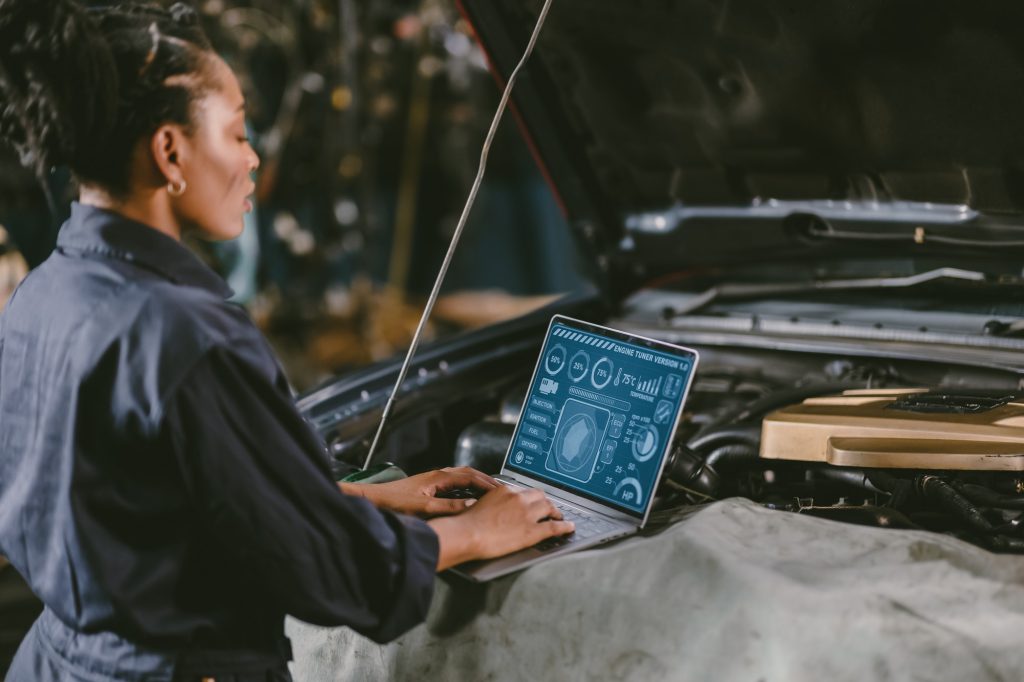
(749, 435)
(731, 457)
(938, 490)
(688, 469)
(852, 477)
(989, 498)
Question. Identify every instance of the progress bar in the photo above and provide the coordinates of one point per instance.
(620, 405)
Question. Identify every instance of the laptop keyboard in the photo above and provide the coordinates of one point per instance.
(587, 525)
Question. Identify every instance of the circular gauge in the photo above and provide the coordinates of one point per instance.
(579, 366)
(645, 444)
(555, 360)
(628, 490)
(602, 373)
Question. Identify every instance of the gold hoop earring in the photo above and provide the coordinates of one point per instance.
(176, 189)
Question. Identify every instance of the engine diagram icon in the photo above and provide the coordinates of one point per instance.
(548, 386)
(580, 431)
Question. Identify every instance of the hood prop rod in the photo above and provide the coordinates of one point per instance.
(414, 344)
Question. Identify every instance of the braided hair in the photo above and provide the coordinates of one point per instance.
(80, 86)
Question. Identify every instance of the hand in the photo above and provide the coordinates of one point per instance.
(417, 494)
(503, 521)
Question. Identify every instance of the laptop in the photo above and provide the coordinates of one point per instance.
(595, 430)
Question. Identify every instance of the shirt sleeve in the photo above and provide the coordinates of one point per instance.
(258, 473)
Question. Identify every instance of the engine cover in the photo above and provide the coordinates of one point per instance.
(907, 428)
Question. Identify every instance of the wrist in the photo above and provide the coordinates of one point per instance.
(356, 490)
(457, 540)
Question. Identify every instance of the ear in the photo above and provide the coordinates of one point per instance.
(168, 147)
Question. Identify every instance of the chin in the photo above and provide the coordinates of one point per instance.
(237, 228)
(223, 231)
(233, 228)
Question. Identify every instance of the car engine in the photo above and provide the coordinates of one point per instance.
(890, 444)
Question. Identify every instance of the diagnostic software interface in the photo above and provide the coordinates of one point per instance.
(600, 412)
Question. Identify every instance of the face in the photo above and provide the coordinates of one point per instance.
(217, 162)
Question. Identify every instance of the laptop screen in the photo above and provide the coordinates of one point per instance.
(600, 413)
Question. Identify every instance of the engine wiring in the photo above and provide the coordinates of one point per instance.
(985, 508)
(717, 455)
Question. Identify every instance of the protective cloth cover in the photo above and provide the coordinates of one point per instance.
(731, 592)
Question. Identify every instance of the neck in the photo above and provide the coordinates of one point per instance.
(149, 208)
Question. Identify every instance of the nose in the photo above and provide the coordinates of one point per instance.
(254, 160)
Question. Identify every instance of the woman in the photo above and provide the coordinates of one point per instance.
(158, 490)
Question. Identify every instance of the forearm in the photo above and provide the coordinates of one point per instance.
(455, 537)
(418, 495)
(503, 521)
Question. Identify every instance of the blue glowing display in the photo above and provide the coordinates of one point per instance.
(600, 413)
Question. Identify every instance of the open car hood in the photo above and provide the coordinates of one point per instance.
(651, 115)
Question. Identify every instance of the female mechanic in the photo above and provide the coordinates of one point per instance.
(158, 489)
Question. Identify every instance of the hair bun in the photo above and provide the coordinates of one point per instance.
(48, 113)
(20, 21)
(81, 86)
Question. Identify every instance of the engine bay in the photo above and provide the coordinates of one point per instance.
(916, 433)
(744, 434)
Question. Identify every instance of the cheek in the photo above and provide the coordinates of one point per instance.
(238, 179)
(237, 174)
(217, 185)
(219, 170)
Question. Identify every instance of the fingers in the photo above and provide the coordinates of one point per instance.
(512, 519)
(465, 477)
(553, 528)
(539, 507)
(437, 506)
(549, 517)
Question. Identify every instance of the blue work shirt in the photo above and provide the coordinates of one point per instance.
(159, 491)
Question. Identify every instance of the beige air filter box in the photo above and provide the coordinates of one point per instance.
(907, 428)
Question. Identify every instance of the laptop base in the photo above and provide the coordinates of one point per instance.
(484, 571)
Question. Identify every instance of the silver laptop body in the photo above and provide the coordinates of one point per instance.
(594, 434)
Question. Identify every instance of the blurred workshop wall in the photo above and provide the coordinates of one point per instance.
(368, 116)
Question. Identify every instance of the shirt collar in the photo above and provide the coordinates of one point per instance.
(95, 230)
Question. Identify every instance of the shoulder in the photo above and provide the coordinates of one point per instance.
(179, 325)
(162, 332)
(189, 316)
